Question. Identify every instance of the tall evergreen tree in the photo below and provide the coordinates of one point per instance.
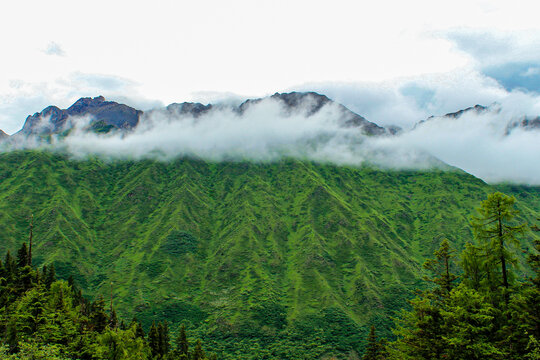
(139, 331)
(473, 266)
(182, 344)
(51, 276)
(98, 316)
(198, 352)
(163, 338)
(31, 239)
(153, 340)
(9, 266)
(12, 337)
(374, 348)
(441, 267)
(493, 227)
(113, 319)
(22, 256)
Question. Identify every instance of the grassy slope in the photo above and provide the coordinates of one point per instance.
(252, 250)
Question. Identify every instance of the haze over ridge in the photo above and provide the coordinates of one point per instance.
(495, 144)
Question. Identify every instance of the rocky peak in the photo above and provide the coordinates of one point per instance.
(525, 123)
(188, 108)
(84, 104)
(311, 103)
(103, 114)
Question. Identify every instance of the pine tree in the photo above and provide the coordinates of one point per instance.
(374, 348)
(139, 331)
(30, 240)
(163, 339)
(51, 276)
(198, 352)
(153, 340)
(22, 256)
(494, 230)
(473, 266)
(10, 267)
(441, 267)
(470, 326)
(12, 337)
(113, 319)
(182, 344)
(98, 316)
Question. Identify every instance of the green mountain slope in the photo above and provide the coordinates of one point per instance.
(259, 258)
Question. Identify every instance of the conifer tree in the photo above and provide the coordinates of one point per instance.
(98, 316)
(494, 230)
(441, 267)
(374, 348)
(139, 331)
(162, 348)
(198, 352)
(113, 319)
(51, 276)
(164, 338)
(473, 267)
(44, 273)
(10, 267)
(182, 344)
(12, 337)
(30, 240)
(22, 256)
(153, 340)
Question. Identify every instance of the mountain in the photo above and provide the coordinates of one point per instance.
(291, 259)
(108, 115)
(105, 115)
(523, 122)
(188, 108)
(3, 135)
(278, 259)
(526, 123)
(311, 103)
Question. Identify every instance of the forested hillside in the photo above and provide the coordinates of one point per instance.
(289, 258)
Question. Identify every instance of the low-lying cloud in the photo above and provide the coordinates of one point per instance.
(482, 143)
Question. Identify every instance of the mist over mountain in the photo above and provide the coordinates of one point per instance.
(492, 142)
(512, 122)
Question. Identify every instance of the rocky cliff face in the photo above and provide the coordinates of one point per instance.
(108, 115)
(103, 113)
(311, 103)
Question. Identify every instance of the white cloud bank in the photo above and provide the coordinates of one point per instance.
(479, 143)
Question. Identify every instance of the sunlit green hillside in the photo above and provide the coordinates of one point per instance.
(257, 256)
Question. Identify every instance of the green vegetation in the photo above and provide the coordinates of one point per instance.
(494, 318)
(260, 260)
(45, 318)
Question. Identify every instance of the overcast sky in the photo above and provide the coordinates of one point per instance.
(391, 61)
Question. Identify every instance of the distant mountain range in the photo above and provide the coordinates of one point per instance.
(105, 116)
(109, 115)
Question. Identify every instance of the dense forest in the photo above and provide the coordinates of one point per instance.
(42, 317)
(476, 306)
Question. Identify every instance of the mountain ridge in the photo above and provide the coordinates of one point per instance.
(524, 122)
(108, 115)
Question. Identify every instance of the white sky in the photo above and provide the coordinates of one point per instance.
(149, 52)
